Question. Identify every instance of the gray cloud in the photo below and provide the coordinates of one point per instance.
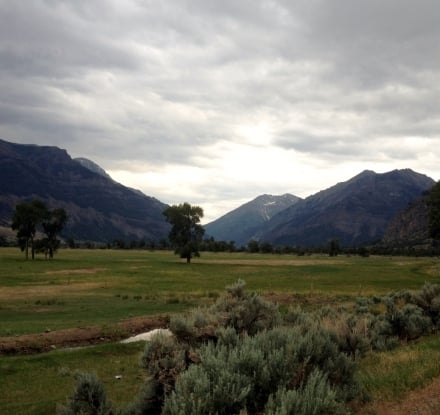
(138, 85)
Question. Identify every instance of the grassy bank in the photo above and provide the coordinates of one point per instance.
(35, 385)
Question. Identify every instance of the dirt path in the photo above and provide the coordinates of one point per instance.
(424, 401)
(80, 336)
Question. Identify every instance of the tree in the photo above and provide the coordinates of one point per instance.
(434, 211)
(53, 224)
(333, 247)
(26, 217)
(186, 233)
(253, 246)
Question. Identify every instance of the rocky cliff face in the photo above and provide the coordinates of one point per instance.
(409, 227)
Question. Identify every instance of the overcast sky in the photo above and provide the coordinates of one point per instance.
(215, 102)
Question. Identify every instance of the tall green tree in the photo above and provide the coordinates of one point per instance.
(186, 232)
(53, 224)
(26, 217)
(434, 211)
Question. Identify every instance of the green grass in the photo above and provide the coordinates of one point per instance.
(390, 375)
(88, 287)
(35, 385)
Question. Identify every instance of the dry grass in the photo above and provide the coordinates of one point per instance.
(41, 291)
(422, 401)
(76, 271)
(296, 262)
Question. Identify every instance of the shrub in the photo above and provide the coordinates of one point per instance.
(428, 299)
(407, 322)
(146, 402)
(88, 398)
(235, 376)
(315, 397)
(164, 358)
(246, 312)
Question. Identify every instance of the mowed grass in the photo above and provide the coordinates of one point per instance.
(88, 287)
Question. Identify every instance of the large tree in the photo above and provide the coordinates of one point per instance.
(186, 232)
(53, 224)
(434, 211)
(26, 217)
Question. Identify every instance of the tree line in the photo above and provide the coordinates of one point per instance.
(186, 234)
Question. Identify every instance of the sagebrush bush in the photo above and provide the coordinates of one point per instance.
(164, 358)
(314, 397)
(245, 311)
(428, 299)
(234, 377)
(147, 401)
(88, 398)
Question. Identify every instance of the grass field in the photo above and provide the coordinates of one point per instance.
(88, 287)
(85, 287)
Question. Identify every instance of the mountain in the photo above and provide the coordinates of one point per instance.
(92, 166)
(409, 227)
(99, 209)
(355, 212)
(242, 223)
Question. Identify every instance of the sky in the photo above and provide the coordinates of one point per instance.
(215, 102)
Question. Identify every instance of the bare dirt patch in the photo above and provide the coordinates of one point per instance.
(80, 336)
(273, 262)
(424, 401)
(35, 291)
(76, 271)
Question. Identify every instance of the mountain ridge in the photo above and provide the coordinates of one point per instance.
(355, 212)
(240, 224)
(99, 208)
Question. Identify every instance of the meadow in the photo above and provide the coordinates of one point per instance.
(81, 288)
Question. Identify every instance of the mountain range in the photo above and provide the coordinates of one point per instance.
(361, 210)
(354, 212)
(99, 209)
(241, 224)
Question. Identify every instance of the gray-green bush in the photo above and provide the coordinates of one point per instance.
(314, 397)
(248, 372)
(88, 398)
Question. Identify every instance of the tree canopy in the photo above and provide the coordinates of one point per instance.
(186, 232)
(28, 216)
(434, 211)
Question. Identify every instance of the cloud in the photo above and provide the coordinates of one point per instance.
(223, 101)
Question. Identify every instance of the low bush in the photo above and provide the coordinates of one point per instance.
(255, 368)
(88, 398)
(314, 397)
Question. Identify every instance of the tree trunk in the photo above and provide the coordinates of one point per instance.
(188, 259)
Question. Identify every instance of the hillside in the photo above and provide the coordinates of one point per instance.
(355, 212)
(241, 224)
(409, 227)
(99, 209)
